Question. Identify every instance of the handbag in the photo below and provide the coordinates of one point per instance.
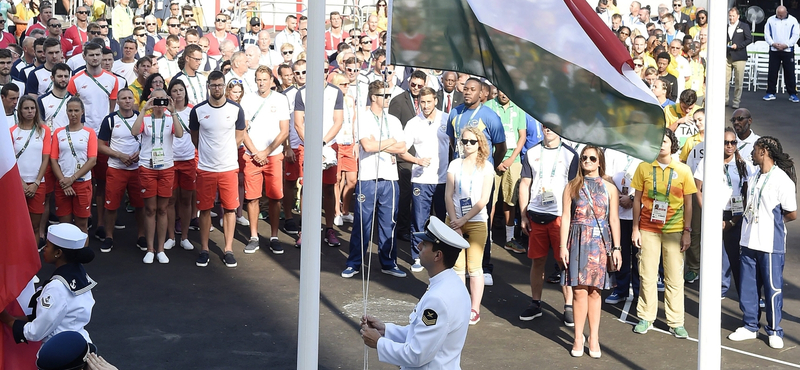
(610, 267)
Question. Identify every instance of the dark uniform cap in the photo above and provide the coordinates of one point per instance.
(255, 21)
(437, 232)
(64, 351)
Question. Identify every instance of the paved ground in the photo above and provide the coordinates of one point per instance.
(179, 316)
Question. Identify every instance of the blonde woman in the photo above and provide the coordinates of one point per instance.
(469, 184)
(287, 52)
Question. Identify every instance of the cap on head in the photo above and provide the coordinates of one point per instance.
(255, 21)
(437, 232)
(64, 351)
(67, 236)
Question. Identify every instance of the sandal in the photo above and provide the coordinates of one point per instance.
(474, 317)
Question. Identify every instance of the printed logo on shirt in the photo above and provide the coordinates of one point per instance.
(206, 117)
(84, 87)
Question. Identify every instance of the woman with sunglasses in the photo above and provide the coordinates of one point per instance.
(287, 52)
(588, 234)
(364, 51)
(382, 12)
(638, 66)
(467, 191)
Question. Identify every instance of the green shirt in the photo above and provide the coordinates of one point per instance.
(513, 119)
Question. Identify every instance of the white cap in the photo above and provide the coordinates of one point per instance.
(437, 232)
(67, 236)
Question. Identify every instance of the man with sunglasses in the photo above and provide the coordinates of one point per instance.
(187, 12)
(381, 139)
(742, 119)
(151, 27)
(6, 38)
(144, 43)
(251, 36)
(289, 35)
(682, 20)
(220, 34)
(173, 29)
(113, 44)
(77, 34)
(701, 22)
(294, 152)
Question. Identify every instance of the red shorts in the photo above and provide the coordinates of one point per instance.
(157, 182)
(543, 237)
(80, 205)
(329, 175)
(185, 175)
(240, 157)
(209, 182)
(36, 203)
(50, 180)
(99, 170)
(346, 160)
(266, 177)
(117, 181)
(294, 170)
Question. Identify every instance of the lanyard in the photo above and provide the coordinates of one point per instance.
(380, 125)
(71, 147)
(61, 105)
(458, 124)
(26, 142)
(260, 106)
(98, 83)
(669, 183)
(189, 80)
(180, 120)
(760, 191)
(153, 137)
(541, 161)
(742, 146)
(125, 121)
(471, 177)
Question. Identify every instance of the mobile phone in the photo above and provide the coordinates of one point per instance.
(160, 102)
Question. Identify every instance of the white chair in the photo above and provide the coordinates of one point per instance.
(760, 65)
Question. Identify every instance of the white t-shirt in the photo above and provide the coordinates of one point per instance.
(765, 231)
(333, 100)
(731, 174)
(84, 142)
(126, 70)
(52, 107)
(116, 130)
(182, 147)
(621, 168)
(346, 135)
(95, 92)
(469, 184)
(168, 68)
(195, 87)
(264, 116)
(11, 119)
(248, 80)
(746, 146)
(549, 169)
(386, 163)
(30, 160)
(217, 126)
(40, 81)
(294, 140)
(696, 155)
(429, 139)
(157, 133)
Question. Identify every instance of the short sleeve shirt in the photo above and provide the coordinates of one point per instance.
(264, 116)
(83, 146)
(217, 126)
(765, 231)
(95, 92)
(681, 183)
(116, 130)
(483, 118)
(550, 169)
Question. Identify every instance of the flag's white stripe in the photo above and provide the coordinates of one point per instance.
(550, 25)
(7, 159)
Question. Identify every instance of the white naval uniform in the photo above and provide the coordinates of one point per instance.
(437, 328)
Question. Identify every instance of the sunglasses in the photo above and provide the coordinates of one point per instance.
(290, 52)
(234, 82)
(221, 20)
(188, 15)
(54, 25)
(138, 24)
(416, 86)
(84, 12)
(731, 142)
(96, 33)
(674, 5)
(739, 118)
(639, 65)
(385, 96)
(387, 72)
(2, 21)
(150, 24)
(103, 25)
(174, 25)
(300, 73)
(625, 33)
(141, 35)
(344, 85)
(183, 28)
(351, 70)
(366, 42)
(470, 142)
(591, 158)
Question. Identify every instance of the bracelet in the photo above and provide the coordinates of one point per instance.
(616, 248)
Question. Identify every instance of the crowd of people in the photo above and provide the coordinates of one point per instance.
(184, 126)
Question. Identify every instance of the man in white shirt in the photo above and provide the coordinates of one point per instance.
(781, 33)
(40, 79)
(168, 63)
(195, 82)
(684, 68)
(269, 57)
(267, 114)
(125, 66)
(239, 71)
(381, 139)
(289, 35)
(10, 96)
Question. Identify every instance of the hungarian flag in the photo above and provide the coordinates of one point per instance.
(554, 58)
(19, 259)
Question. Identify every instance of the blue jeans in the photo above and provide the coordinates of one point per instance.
(423, 197)
(385, 208)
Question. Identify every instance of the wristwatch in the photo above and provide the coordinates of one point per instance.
(631, 197)
(689, 229)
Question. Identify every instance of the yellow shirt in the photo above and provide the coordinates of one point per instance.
(136, 88)
(673, 113)
(697, 81)
(122, 18)
(648, 60)
(691, 142)
(98, 11)
(695, 30)
(24, 13)
(682, 183)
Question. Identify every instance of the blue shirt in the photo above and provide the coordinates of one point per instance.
(483, 118)
(534, 134)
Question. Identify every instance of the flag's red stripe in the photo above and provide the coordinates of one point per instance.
(606, 41)
(15, 356)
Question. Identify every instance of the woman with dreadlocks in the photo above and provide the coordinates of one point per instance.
(737, 170)
(770, 204)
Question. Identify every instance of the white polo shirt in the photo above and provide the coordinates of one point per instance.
(768, 196)
(429, 139)
(264, 116)
(380, 128)
(217, 126)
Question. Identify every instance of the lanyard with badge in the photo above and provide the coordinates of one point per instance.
(380, 132)
(26, 143)
(99, 84)
(189, 80)
(548, 196)
(157, 157)
(130, 129)
(659, 213)
(258, 111)
(511, 143)
(465, 201)
(74, 155)
(627, 177)
(49, 121)
(753, 203)
(737, 201)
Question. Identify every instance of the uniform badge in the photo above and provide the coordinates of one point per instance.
(73, 284)
(46, 302)
(443, 128)
(361, 198)
(416, 192)
(429, 317)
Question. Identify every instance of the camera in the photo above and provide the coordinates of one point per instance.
(160, 102)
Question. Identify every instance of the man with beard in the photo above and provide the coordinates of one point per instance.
(5, 70)
(39, 80)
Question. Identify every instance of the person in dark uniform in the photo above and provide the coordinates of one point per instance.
(438, 326)
(65, 302)
(69, 350)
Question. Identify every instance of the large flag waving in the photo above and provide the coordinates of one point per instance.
(19, 260)
(554, 58)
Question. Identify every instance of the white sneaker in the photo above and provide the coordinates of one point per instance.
(169, 244)
(487, 279)
(775, 342)
(338, 220)
(220, 224)
(744, 334)
(187, 245)
(213, 214)
(148, 258)
(162, 257)
(348, 218)
(241, 220)
(417, 266)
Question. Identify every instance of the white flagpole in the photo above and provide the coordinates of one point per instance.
(708, 347)
(308, 318)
